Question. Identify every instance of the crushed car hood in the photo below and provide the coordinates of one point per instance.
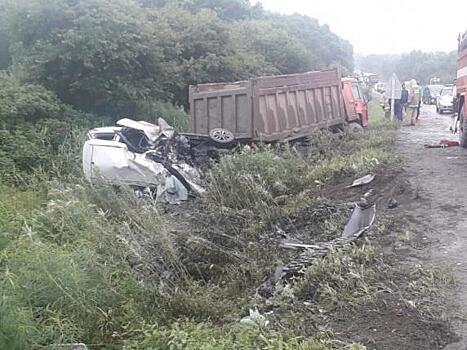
(152, 131)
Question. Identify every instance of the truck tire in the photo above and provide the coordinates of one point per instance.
(354, 128)
(462, 128)
(221, 136)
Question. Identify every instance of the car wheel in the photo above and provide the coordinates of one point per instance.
(222, 136)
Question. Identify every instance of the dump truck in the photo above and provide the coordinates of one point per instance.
(461, 88)
(276, 108)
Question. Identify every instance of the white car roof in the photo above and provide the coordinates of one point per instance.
(104, 130)
(152, 131)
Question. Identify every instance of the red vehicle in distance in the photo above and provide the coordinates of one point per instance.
(354, 101)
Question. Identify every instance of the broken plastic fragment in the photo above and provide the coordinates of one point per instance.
(255, 319)
(360, 221)
(365, 180)
(77, 346)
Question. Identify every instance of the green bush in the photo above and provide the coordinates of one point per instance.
(204, 336)
(38, 133)
(15, 207)
(18, 329)
(253, 178)
(339, 278)
(51, 147)
(175, 116)
(62, 294)
(22, 103)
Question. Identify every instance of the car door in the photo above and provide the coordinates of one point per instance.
(360, 103)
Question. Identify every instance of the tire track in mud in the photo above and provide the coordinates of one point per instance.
(439, 213)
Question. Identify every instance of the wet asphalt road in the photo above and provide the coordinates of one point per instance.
(440, 212)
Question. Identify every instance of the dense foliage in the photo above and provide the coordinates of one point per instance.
(67, 64)
(109, 56)
(419, 65)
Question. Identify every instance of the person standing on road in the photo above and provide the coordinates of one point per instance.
(412, 104)
(398, 109)
(400, 103)
(420, 92)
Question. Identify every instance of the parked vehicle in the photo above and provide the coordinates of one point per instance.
(275, 108)
(445, 100)
(430, 92)
(461, 88)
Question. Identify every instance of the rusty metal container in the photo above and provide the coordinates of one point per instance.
(275, 108)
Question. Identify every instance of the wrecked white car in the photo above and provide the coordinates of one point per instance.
(149, 157)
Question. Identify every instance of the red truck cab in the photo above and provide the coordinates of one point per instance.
(461, 88)
(354, 101)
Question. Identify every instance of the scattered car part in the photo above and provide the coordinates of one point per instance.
(443, 144)
(255, 319)
(365, 180)
(449, 143)
(361, 220)
(297, 245)
(77, 346)
(392, 203)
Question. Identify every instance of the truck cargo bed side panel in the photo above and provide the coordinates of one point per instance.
(223, 108)
(269, 108)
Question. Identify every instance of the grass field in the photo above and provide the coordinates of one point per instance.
(88, 264)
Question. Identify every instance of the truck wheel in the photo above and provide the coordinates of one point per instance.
(355, 127)
(462, 128)
(222, 136)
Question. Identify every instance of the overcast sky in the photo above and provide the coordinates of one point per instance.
(391, 26)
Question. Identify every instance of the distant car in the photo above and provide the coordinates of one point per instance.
(430, 93)
(445, 100)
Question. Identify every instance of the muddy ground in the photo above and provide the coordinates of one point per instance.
(438, 215)
(430, 229)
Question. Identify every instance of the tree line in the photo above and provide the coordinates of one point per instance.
(126, 57)
(418, 65)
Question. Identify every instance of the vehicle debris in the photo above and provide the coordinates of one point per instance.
(392, 203)
(148, 156)
(76, 346)
(293, 245)
(361, 220)
(255, 319)
(365, 180)
(443, 144)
